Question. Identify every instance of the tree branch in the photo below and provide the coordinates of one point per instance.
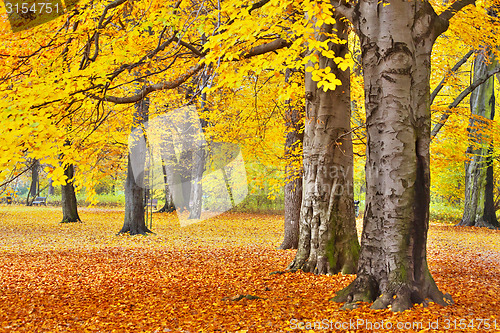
(454, 69)
(459, 99)
(265, 48)
(347, 10)
(442, 22)
(188, 46)
(149, 89)
(455, 7)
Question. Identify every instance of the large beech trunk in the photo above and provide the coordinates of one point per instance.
(135, 222)
(479, 210)
(328, 241)
(396, 42)
(68, 197)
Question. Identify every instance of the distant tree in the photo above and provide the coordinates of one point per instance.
(479, 207)
(68, 197)
(35, 182)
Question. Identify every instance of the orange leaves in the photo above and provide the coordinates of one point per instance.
(206, 277)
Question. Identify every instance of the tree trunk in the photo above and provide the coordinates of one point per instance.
(135, 222)
(397, 42)
(197, 168)
(50, 191)
(35, 182)
(293, 171)
(68, 197)
(195, 202)
(328, 242)
(479, 208)
(169, 206)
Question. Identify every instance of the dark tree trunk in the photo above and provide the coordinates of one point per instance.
(293, 171)
(68, 197)
(328, 241)
(35, 182)
(479, 208)
(396, 42)
(135, 222)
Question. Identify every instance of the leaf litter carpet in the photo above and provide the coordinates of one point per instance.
(213, 276)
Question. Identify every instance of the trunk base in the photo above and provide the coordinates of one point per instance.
(288, 246)
(71, 220)
(398, 296)
(166, 209)
(136, 231)
(479, 223)
(322, 265)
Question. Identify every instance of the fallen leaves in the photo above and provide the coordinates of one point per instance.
(211, 277)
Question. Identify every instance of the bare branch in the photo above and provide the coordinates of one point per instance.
(188, 46)
(453, 70)
(459, 99)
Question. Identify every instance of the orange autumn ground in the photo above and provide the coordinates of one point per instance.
(82, 278)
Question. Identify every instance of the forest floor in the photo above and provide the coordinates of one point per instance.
(82, 277)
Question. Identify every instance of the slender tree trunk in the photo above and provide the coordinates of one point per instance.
(397, 42)
(68, 197)
(169, 206)
(197, 169)
(195, 202)
(479, 208)
(328, 242)
(35, 183)
(135, 222)
(50, 191)
(293, 171)
(198, 166)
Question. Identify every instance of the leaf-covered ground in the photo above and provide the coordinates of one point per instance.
(81, 277)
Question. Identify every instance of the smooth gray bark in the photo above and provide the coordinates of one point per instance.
(479, 207)
(68, 197)
(396, 41)
(328, 242)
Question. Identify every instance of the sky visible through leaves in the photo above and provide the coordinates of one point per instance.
(213, 276)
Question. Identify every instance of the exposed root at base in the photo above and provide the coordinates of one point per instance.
(398, 298)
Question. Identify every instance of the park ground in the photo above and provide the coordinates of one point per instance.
(81, 277)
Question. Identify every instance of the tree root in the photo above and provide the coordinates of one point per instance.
(398, 297)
